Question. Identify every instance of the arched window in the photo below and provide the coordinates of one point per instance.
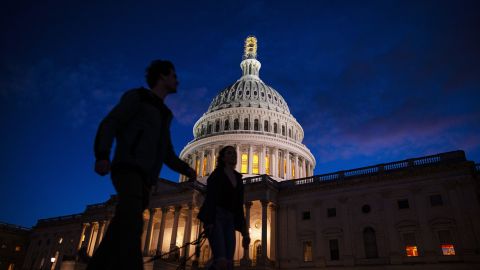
(244, 165)
(275, 128)
(245, 124)
(209, 129)
(283, 130)
(267, 165)
(255, 164)
(236, 124)
(255, 124)
(290, 132)
(370, 243)
(265, 125)
(227, 125)
(217, 126)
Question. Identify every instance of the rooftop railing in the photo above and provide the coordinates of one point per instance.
(13, 226)
(60, 218)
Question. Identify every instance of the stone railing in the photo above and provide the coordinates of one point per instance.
(372, 170)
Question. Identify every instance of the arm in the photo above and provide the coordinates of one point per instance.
(117, 118)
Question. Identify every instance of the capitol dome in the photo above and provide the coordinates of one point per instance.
(255, 119)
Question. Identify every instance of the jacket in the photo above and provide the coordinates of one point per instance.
(215, 193)
(140, 125)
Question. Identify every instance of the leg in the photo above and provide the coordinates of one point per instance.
(121, 246)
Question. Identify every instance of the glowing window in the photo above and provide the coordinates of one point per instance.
(412, 251)
(244, 167)
(214, 161)
(293, 169)
(18, 248)
(284, 166)
(255, 164)
(448, 249)
(307, 251)
(197, 166)
(267, 165)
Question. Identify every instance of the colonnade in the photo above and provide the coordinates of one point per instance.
(252, 160)
(91, 236)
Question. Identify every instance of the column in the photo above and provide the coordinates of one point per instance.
(297, 174)
(211, 166)
(101, 230)
(245, 261)
(194, 163)
(273, 232)
(187, 234)
(289, 165)
(84, 226)
(264, 231)
(173, 240)
(148, 239)
(90, 237)
(162, 230)
(304, 168)
(262, 160)
(274, 163)
(250, 159)
(202, 154)
(239, 158)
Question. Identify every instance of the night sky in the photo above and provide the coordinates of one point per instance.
(370, 82)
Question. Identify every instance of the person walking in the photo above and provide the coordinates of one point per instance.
(140, 126)
(222, 211)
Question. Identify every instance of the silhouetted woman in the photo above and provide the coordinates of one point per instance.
(222, 211)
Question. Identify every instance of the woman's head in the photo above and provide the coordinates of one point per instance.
(227, 157)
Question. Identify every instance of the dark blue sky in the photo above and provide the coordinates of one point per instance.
(370, 82)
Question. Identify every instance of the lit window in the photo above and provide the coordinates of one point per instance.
(412, 251)
(448, 249)
(60, 240)
(267, 165)
(307, 251)
(18, 248)
(197, 166)
(255, 164)
(293, 169)
(244, 166)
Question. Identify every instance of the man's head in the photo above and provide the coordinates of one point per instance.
(161, 74)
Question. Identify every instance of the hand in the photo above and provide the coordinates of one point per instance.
(102, 167)
(191, 174)
(246, 241)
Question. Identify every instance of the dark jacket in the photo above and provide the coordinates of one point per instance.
(140, 124)
(218, 186)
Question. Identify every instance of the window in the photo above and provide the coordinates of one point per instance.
(255, 164)
(293, 168)
(209, 129)
(283, 130)
(245, 124)
(204, 168)
(334, 252)
(197, 166)
(275, 128)
(331, 212)
(306, 215)
(446, 243)
(18, 248)
(265, 125)
(436, 200)
(366, 209)
(217, 126)
(244, 164)
(403, 204)
(290, 133)
(307, 251)
(236, 124)
(370, 243)
(227, 125)
(410, 244)
(255, 124)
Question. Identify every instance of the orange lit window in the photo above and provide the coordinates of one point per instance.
(244, 167)
(255, 164)
(448, 249)
(293, 169)
(284, 167)
(412, 251)
(197, 166)
(18, 248)
(204, 169)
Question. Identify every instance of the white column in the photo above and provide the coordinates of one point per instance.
(194, 162)
(187, 233)
(261, 162)
(304, 168)
(274, 163)
(202, 154)
(289, 165)
(239, 158)
(173, 240)
(250, 159)
(84, 226)
(100, 233)
(148, 238)
(297, 175)
(162, 230)
(212, 160)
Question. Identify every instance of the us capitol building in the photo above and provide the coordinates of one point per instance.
(411, 214)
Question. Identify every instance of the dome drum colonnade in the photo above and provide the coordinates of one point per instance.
(255, 119)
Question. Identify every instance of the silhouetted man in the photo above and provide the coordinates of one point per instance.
(140, 125)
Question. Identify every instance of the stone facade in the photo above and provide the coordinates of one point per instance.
(13, 246)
